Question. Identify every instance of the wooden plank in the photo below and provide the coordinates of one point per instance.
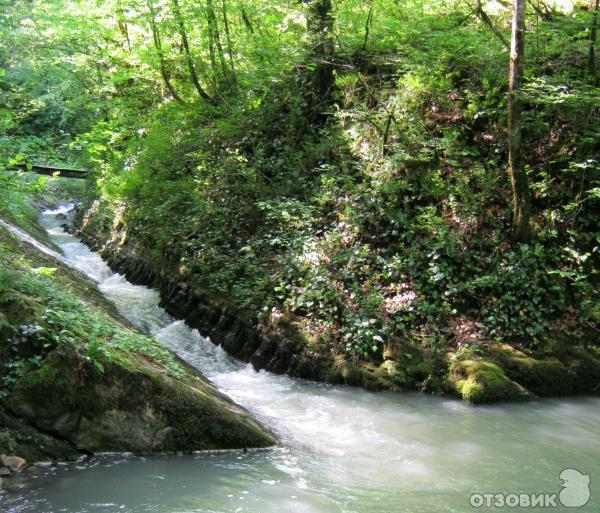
(65, 172)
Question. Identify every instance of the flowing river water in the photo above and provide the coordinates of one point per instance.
(342, 449)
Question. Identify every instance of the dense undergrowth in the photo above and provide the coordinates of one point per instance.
(359, 243)
(383, 227)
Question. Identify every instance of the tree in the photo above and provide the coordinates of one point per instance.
(229, 46)
(186, 48)
(592, 53)
(368, 25)
(214, 41)
(518, 175)
(320, 23)
(122, 24)
(158, 45)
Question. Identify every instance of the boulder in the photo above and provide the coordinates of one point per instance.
(13, 463)
(132, 406)
(119, 400)
(480, 381)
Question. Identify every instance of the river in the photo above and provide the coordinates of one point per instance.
(343, 450)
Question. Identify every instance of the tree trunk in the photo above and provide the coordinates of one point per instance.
(215, 41)
(592, 67)
(368, 24)
(246, 20)
(518, 176)
(229, 46)
(122, 24)
(158, 45)
(320, 27)
(186, 49)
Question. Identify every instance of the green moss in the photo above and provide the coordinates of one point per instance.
(389, 375)
(61, 385)
(481, 381)
(395, 373)
(85, 379)
(350, 373)
(560, 371)
(375, 378)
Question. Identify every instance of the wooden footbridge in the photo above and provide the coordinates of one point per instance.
(65, 172)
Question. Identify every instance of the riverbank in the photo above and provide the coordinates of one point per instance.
(482, 373)
(343, 449)
(79, 379)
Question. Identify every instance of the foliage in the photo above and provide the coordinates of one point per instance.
(40, 313)
(385, 220)
(8, 444)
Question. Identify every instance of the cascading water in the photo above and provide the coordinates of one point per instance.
(343, 450)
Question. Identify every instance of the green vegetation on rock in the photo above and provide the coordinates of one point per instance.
(480, 381)
(77, 379)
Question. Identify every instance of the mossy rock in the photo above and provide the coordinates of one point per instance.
(482, 381)
(132, 406)
(387, 376)
(564, 371)
(396, 374)
(66, 407)
(350, 373)
(18, 437)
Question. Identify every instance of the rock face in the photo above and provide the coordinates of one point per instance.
(132, 406)
(66, 405)
(12, 463)
(32, 444)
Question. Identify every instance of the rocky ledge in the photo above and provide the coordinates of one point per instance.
(59, 403)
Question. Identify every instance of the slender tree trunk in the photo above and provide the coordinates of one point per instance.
(592, 67)
(211, 46)
(215, 41)
(518, 176)
(122, 24)
(186, 48)
(246, 20)
(158, 45)
(229, 45)
(368, 26)
(320, 26)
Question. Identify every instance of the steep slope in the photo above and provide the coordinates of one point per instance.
(77, 379)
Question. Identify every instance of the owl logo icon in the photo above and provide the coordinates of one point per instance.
(575, 491)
